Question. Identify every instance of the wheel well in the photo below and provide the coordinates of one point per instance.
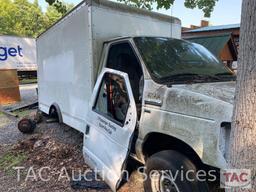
(156, 142)
(57, 112)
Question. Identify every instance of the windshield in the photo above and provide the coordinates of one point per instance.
(170, 59)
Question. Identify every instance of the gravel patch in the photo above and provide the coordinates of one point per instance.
(9, 134)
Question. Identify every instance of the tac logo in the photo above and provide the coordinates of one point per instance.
(6, 52)
(235, 178)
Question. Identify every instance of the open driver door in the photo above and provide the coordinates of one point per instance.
(111, 122)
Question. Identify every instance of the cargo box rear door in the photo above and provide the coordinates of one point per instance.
(111, 121)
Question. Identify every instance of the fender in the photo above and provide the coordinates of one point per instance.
(56, 106)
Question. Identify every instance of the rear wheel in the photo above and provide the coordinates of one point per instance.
(170, 171)
(53, 113)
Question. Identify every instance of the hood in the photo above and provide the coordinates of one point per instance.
(224, 91)
(212, 101)
(204, 100)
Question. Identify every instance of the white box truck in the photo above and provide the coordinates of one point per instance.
(123, 77)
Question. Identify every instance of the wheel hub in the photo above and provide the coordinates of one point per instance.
(163, 182)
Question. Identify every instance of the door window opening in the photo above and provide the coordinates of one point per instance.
(122, 58)
(113, 99)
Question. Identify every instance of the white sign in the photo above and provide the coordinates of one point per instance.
(17, 53)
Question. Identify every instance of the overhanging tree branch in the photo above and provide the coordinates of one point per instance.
(206, 6)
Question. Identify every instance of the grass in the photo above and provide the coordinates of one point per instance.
(10, 160)
(28, 81)
(4, 120)
(22, 113)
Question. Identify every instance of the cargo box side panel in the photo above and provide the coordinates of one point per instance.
(121, 23)
(65, 75)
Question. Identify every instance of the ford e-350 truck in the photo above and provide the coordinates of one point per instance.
(124, 78)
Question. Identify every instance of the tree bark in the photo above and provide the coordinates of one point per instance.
(243, 133)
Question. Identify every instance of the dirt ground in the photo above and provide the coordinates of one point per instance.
(52, 145)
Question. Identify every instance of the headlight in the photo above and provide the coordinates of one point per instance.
(224, 139)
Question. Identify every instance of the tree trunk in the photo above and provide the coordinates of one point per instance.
(243, 134)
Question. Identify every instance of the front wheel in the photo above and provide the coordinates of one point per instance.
(170, 171)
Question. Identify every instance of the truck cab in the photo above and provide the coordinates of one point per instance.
(167, 103)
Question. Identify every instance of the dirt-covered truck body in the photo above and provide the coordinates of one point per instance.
(123, 77)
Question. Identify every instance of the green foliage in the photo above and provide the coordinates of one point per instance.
(205, 5)
(20, 17)
(22, 113)
(23, 18)
(60, 6)
(27, 81)
(30, 19)
(52, 15)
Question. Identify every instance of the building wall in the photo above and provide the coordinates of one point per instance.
(225, 54)
(235, 33)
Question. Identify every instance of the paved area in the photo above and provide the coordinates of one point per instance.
(28, 95)
(9, 133)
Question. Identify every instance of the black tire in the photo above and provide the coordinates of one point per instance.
(26, 125)
(166, 163)
(53, 113)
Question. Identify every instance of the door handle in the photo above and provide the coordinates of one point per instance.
(87, 131)
(157, 103)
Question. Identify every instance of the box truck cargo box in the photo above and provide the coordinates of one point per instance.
(70, 51)
(123, 77)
